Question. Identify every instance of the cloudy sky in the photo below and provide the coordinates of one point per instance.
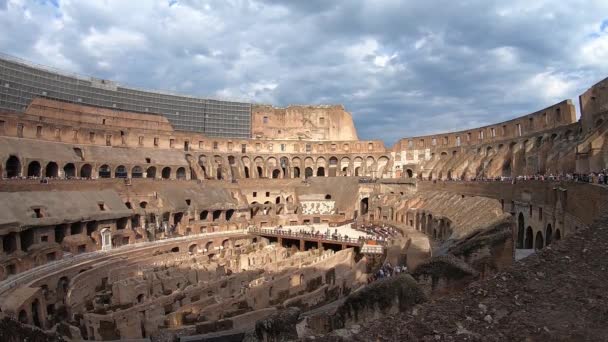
(402, 68)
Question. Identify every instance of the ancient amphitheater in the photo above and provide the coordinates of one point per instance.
(145, 216)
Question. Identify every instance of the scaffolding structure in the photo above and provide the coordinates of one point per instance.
(21, 82)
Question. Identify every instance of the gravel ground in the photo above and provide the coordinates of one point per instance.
(558, 294)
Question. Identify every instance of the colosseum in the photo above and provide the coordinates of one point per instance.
(136, 215)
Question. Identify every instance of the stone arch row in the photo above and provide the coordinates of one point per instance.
(14, 167)
(534, 238)
(480, 160)
(283, 166)
(434, 226)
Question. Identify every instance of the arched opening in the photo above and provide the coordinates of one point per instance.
(364, 206)
(36, 312)
(33, 169)
(321, 172)
(277, 200)
(520, 231)
(296, 172)
(204, 214)
(193, 248)
(140, 298)
(69, 170)
(558, 235)
(23, 317)
(166, 173)
(276, 173)
(538, 242)
(216, 215)
(175, 250)
(246, 169)
(226, 244)
(410, 173)
(209, 246)
(104, 171)
(308, 172)
(220, 176)
(229, 214)
(181, 173)
(357, 171)
(137, 172)
(52, 170)
(120, 172)
(13, 167)
(260, 172)
(328, 197)
(529, 242)
(86, 171)
(60, 232)
(548, 235)
(151, 172)
(75, 228)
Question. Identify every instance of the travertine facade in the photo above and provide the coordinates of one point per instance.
(119, 226)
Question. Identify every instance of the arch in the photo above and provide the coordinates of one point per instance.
(193, 248)
(204, 214)
(216, 215)
(86, 171)
(229, 214)
(539, 242)
(529, 241)
(276, 173)
(33, 169)
(296, 172)
(166, 173)
(548, 235)
(308, 172)
(137, 172)
(328, 197)
(357, 171)
(151, 172)
(260, 172)
(321, 172)
(209, 246)
(52, 170)
(364, 206)
(226, 243)
(246, 170)
(143, 204)
(410, 173)
(558, 235)
(104, 171)
(120, 172)
(23, 317)
(175, 250)
(520, 231)
(69, 170)
(181, 173)
(219, 173)
(13, 167)
(140, 298)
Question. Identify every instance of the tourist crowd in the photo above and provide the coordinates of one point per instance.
(386, 271)
(592, 177)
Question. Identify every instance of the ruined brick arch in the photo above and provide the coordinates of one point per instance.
(529, 239)
(558, 235)
(226, 244)
(120, 172)
(51, 170)
(539, 241)
(548, 234)
(33, 169)
(321, 171)
(13, 167)
(181, 173)
(345, 166)
(276, 173)
(193, 248)
(86, 171)
(520, 231)
(166, 172)
(69, 170)
(382, 166)
(410, 173)
(308, 172)
(137, 172)
(104, 171)
(22, 317)
(151, 172)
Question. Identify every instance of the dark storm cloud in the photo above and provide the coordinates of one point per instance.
(402, 68)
